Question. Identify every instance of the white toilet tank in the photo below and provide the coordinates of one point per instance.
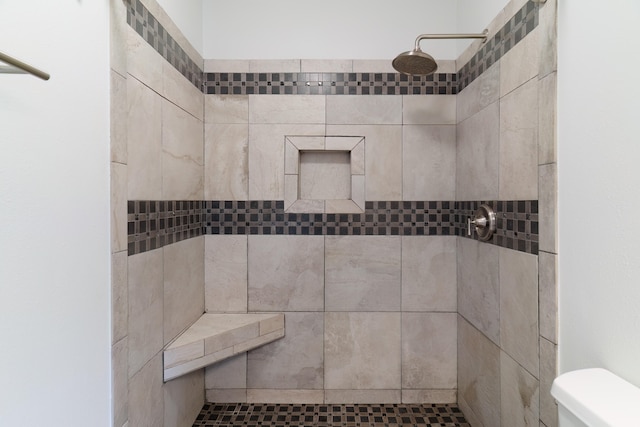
(596, 398)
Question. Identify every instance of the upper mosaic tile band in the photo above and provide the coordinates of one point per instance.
(146, 25)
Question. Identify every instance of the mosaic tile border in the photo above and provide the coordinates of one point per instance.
(146, 25)
(325, 415)
(153, 224)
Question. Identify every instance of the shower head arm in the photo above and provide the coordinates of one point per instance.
(421, 37)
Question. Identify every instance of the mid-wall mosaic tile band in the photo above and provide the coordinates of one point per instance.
(153, 224)
(147, 26)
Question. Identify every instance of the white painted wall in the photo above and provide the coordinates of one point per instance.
(187, 15)
(474, 16)
(331, 29)
(54, 216)
(599, 186)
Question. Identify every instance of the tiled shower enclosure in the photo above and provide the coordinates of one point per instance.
(386, 299)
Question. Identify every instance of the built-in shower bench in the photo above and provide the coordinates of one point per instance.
(215, 337)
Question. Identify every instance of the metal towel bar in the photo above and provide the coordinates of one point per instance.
(19, 67)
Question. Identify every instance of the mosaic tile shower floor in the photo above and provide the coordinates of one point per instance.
(325, 415)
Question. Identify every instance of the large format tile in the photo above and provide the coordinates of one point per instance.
(286, 273)
(548, 205)
(429, 162)
(144, 142)
(119, 297)
(143, 61)
(183, 399)
(146, 397)
(182, 154)
(362, 396)
(478, 155)
(120, 381)
(479, 286)
(548, 283)
(118, 33)
(519, 307)
(226, 109)
(519, 143)
(429, 273)
(226, 159)
(364, 109)
(227, 374)
(183, 285)
(145, 308)
(356, 358)
(429, 350)
(362, 273)
(548, 372)
(180, 91)
(118, 207)
(520, 391)
(118, 118)
(478, 376)
(548, 38)
(266, 157)
(429, 110)
(293, 396)
(547, 120)
(482, 92)
(293, 362)
(520, 64)
(225, 272)
(278, 109)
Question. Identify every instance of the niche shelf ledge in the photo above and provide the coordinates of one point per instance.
(215, 337)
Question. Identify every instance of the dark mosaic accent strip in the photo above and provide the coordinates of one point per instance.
(153, 224)
(146, 25)
(521, 24)
(325, 415)
(329, 84)
(516, 223)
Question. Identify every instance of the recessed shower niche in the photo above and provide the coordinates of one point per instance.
(324, 174)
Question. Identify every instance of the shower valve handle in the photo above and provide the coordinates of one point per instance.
(484, 221)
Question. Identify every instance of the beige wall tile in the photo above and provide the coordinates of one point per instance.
(146, 397)
(355, 356)
(226, 159)
(547, 124)
(118, 41)
(383, 162)
(183, 399)
(520, 64)
(293, 362)
(478, 376)
(519, 307)
(478, 154)
(479, 286)
(182, 154)
(364, 109)
(548, 37)
(548, 202)
(118, 207)
(286, 273)
(296, 396)
(278, 109)
(274, 65)
(226, 395)
(429, 162)
(177, 89)
(226, 109)
(144, 142)
(183, 285)
(430, 396)
(362, 396)
(143, 62)
(118, 118)
(225, 271)
(429, 273)
(429, 110)
(325, 175)
(119, 297)
(227, 374)
(226, 66)
(145, 308)
(482, 92)
(548, 283)
(120, 381)
(519, 143)
(548, 372)
(326, 66)
(520, 391)
(266, 157)
(429, 350)
(362, 273)
(372, 66)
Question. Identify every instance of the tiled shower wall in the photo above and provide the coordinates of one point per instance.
(157, 154)
(370, 317)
